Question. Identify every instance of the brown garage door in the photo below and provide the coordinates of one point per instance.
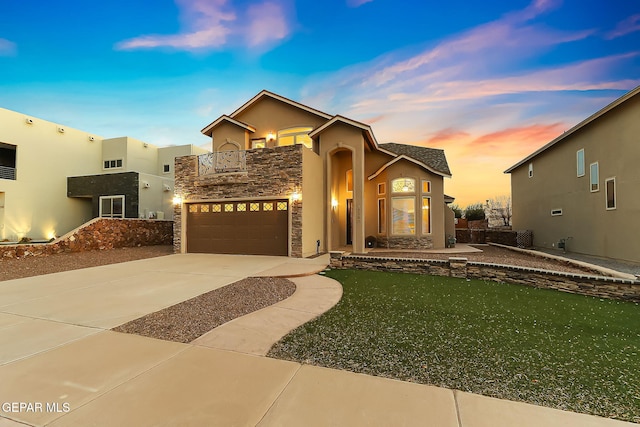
(255, 228)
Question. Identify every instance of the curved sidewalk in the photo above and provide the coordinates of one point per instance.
(256, 332)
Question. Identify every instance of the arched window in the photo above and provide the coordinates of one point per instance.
(297, 135)
(403, 185)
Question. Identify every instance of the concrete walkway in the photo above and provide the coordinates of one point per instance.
(59, 366)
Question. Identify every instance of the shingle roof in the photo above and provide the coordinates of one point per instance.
(431, 157)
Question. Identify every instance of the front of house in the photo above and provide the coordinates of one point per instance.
(287, 179)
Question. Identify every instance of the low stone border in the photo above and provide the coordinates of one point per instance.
(99, 234)
(584, 284)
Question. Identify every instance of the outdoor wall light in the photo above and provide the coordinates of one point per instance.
(271, 136)
(177, 200)
(334, 203)
(296, 196)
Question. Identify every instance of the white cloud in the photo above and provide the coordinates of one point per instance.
(7, 47)
(627, 26)
(213, 24)
(357, 3)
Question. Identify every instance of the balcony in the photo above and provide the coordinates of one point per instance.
(222, 162)
(7, 173)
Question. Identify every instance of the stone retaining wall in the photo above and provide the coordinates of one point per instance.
(99, 234)
(479, 235)
(597, 286)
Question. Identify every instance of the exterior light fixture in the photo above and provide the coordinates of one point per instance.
(296, 196)
(334, 203)
(177, 200)
(271, 136)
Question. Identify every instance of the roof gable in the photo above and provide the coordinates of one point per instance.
(366, 129)
(266, 93)
(577, 127)
(224, 118)
(432, 159)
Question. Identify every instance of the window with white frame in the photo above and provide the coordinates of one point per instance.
(112, 206)
(610, 189)
(556, 212)
(297, 135)
(530, 170)
(403, 185)
(426, 215)
(580, 162)
(113, 164)
(403, 216)
(166, 168)
(594, 172)
(426, 187)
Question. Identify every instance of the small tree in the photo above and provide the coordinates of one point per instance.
(456, 210)
(499, 210)
(474, 212)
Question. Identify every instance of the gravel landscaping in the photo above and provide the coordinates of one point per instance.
(190, 319)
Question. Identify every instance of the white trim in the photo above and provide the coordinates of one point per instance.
(404, 157)
(113, 160)
(584, 172)
(207, 129)
(422, 232)
(338, 118)
(591, 177)
(606, 192)
(384, 188)
(577, 127)
(422, 181)
(530, 169)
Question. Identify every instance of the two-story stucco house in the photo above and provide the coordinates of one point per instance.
(53, 178)
(287, 179)
(582, 190)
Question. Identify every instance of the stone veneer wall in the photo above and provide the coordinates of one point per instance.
(99, 234)
(405, 242)
(271, 172)
(592, 285)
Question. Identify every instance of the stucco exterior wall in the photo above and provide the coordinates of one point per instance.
(612, 141)
(232, 132)
(35, 200)
(155, 198)
(313, 203)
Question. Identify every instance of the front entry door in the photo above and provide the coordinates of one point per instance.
(349, 220)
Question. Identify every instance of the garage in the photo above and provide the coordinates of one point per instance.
(257, 227)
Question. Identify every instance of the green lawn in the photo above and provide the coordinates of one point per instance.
(540, 346)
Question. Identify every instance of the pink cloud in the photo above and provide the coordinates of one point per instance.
(445, 136)
(518, 140)
(629, 25)
(212, 24)
(7, 47)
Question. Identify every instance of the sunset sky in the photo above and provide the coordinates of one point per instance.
(487, 81)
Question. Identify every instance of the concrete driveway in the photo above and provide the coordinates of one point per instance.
(61, 366)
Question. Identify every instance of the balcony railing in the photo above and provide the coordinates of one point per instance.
(7, 173)
(222, 162)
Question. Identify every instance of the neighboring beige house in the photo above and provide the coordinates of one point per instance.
(54, 178)
(287, 179)
(583, 188)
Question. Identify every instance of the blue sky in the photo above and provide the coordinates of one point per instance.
(488, 81)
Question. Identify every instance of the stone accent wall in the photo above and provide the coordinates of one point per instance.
(271, 172)
(405, 242)
(503, 237)
(99, 234)
(592, 285)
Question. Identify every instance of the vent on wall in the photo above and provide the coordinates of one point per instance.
(91, 138)
(60, 129)
(28, 121)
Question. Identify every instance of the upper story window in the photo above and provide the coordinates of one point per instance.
(580, 162)
(595, 176)
(113, 164)
(166, 168)
(7, 161)
(610, 189)
(426, 186)
(403, 185)
(530, 170)
(297, 135)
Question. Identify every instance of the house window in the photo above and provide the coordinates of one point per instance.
(530, 170)
(580, 162)
(382, 188)
(426, 215)
(382, 216)
(610, 189)
(112, 206)
(7, 161)
(403, 185)
(258, 143)
(426, 187)
(113, 164)
(595, 180)
(403, 216)
(297, 135)
(166, 168)
(556, 212)
(349, 180)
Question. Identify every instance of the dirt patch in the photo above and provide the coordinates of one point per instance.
(36, 266)
(190, 319)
